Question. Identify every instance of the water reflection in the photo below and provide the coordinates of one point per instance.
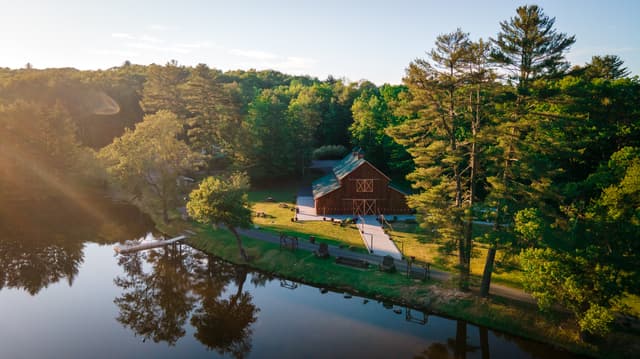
(166, 291)
(224, 324)
(455, 348)
(163, 287)
(155, 304)
(26, 265)
(42, 242)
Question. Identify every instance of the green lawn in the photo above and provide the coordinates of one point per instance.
(633, 302)
(413, 242)
(278, 220)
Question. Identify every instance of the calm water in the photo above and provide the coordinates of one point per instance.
(64, 294)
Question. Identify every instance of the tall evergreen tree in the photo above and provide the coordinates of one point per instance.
(214, 122)
(530, 47)
(435, 137)
(162, 89)
(608, 67)
(40, 154)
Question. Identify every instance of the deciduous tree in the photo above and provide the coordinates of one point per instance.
(224, 201)
(147, 161)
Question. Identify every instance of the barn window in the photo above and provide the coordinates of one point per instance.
(364, 185)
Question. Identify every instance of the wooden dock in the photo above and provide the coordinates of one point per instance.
(125, 248)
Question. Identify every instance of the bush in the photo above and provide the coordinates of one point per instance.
(596, 320)
(329, 152)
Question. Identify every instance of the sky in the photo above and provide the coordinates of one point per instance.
(373, 40)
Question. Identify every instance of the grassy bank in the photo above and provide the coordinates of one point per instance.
(439, 298)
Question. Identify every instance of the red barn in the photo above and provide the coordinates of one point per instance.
(355, 186)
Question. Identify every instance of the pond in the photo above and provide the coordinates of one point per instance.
(64, 293)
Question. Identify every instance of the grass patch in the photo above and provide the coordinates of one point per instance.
(304, 266)
(413, 242)
(278, 220)
(407, 236)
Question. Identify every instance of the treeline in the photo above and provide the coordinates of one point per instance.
(264, 122)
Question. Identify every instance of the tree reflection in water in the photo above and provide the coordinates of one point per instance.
(155, 304)
(455, 348)
(42, 242)
(224, 324)
(178, 282)
(33, 266)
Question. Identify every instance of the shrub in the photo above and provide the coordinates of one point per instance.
(329, 152)
(596, 320)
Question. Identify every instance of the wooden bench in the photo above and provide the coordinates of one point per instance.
(352, 262)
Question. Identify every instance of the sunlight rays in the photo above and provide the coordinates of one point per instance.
(16, 163)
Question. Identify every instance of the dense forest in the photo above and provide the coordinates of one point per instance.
(501, 130)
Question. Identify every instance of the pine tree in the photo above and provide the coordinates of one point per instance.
(435, 137)
(608, 67)
(213, 117)
(531, 49)
(162, 89)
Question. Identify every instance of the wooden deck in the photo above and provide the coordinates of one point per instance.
(124, 249)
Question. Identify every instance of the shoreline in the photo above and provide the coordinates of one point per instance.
(383, 299)
(432, 296)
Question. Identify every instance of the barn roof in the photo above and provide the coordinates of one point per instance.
(324, 185)
(342, 168)
(347, 165)
(394, 187)
(331, 181)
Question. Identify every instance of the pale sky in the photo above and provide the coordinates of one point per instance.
(373, 40)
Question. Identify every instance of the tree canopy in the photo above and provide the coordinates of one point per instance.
(223, 201)
(148, 161)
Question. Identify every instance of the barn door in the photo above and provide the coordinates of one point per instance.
(364, 207)
(369, 206)
(358, 207)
